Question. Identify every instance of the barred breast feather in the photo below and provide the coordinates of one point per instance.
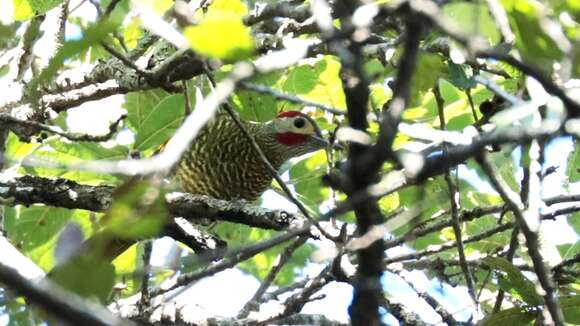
(222, 163)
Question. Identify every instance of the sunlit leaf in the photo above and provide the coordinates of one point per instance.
(253, 106)
(35, 230)
(318, 82)
(235, 39)
(160, 122)
(429, 69)
(22, 9)
(531, 40)
(473, 18)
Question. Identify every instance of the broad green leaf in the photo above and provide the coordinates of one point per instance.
(510, 317)
(235, 38)
(253, 106)
(60, 154)
(473, 18)
(17, 150)
(389, 203)
(379, 95)
(534, 44)
(138, 211)
(514, 281)
(87, 276)
(35, 230)
(458, 77)
(42, 6)
(133, 32)
(429, 69)
(22, 10)
(18, 312)
(570, 305)
(140, 104)
(318, 82)
(295, 265)
(128, 266)
(90, 150)
(160, 123)
(260, 265)
(301, 80)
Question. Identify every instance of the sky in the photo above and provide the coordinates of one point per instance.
(226, 292)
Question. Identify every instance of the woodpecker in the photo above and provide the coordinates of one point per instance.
(222, 163)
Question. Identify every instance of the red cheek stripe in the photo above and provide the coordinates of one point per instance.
(290, 138)
(289, 114)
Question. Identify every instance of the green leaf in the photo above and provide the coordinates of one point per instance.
(253, 106)
(429, 68)
(510, 317)
(514, 282)
(87, 276)
(90, 150)
(319, 82)
(533, 43)
(140, 104)
(473, 18)
(61, 154)
(22, 10)
(138, 211)
(160, 123)
(458, 77)
(42, 6)
(133, 32)
(35, 230)
(570, 309)
(235, 38)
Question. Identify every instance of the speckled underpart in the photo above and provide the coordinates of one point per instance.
(223, 164)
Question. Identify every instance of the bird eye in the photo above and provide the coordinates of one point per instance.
(299, 123)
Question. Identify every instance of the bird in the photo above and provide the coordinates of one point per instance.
(222, 162)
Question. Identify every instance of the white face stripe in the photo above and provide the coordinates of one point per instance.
(286, 124)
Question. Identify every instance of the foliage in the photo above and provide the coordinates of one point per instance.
(447, 99)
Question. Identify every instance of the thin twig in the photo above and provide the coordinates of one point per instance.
(431, 301)
(283, 258)
(455, 205)
(231, 259)
(288, 97)
(68, 135)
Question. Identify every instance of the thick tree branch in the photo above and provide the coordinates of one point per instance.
(63, 305)
(29, 190)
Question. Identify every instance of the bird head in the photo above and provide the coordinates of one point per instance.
(297, 132)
